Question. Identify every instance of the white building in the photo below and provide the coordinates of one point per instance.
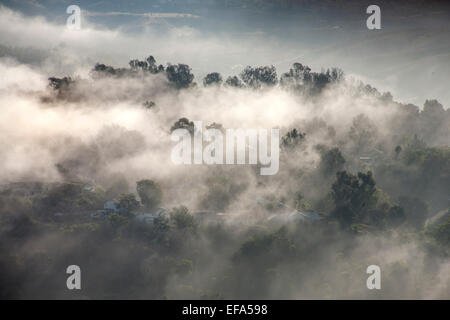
(111, 205)
(149, 218)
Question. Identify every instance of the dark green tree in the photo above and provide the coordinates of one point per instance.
(179, 75)
(259, 76)
(234, 81)
(297, 77)
(293, 138)
(182, 219)
(213, 78)
(150, 193)
(183, 123)
(128, 203)
(331, 161)
(353, 196)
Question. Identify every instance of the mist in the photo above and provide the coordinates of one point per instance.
(75, 133)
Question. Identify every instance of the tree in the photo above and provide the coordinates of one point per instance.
(336, 75)
(441, 231)
(362, 133)
(183, 123)
(152, 64)
(433, 107)
(217, 126)
(300, 77)
(331, 161)
(117, 220)
(297, 76)
(149, 65)
(150, 193)
(61, 86)
(352, 196)
(149, 104)
(101, 70)
(179, 75)
(127, 203)
(60, 83)
(182, 219)
(234, 81)
(293, 138)
(69, 197)
(138, 65)
(259, 76)
(161, 223)
(213, 78)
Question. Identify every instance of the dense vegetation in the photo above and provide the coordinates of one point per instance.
(382, 189)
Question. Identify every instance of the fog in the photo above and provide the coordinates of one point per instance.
(99, 130)
(408, 54)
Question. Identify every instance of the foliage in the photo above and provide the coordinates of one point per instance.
(441, 231)
(70, 197)
(234, 81)
(182, 219)
(300, 78)
(127, 203)
(213, 78)
(260, 76)
(331, 161)
(292, 139)
(183, 123)
(150, 193)
(352, 195)
(179, 75)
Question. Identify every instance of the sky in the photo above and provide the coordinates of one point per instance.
(409, 56)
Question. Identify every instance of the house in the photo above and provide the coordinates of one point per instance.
(89, 187)
(111, 205)
(312, 216)
(149, 218)
(206, 216)
(213, 217)
(368, 160)
(100, 214)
